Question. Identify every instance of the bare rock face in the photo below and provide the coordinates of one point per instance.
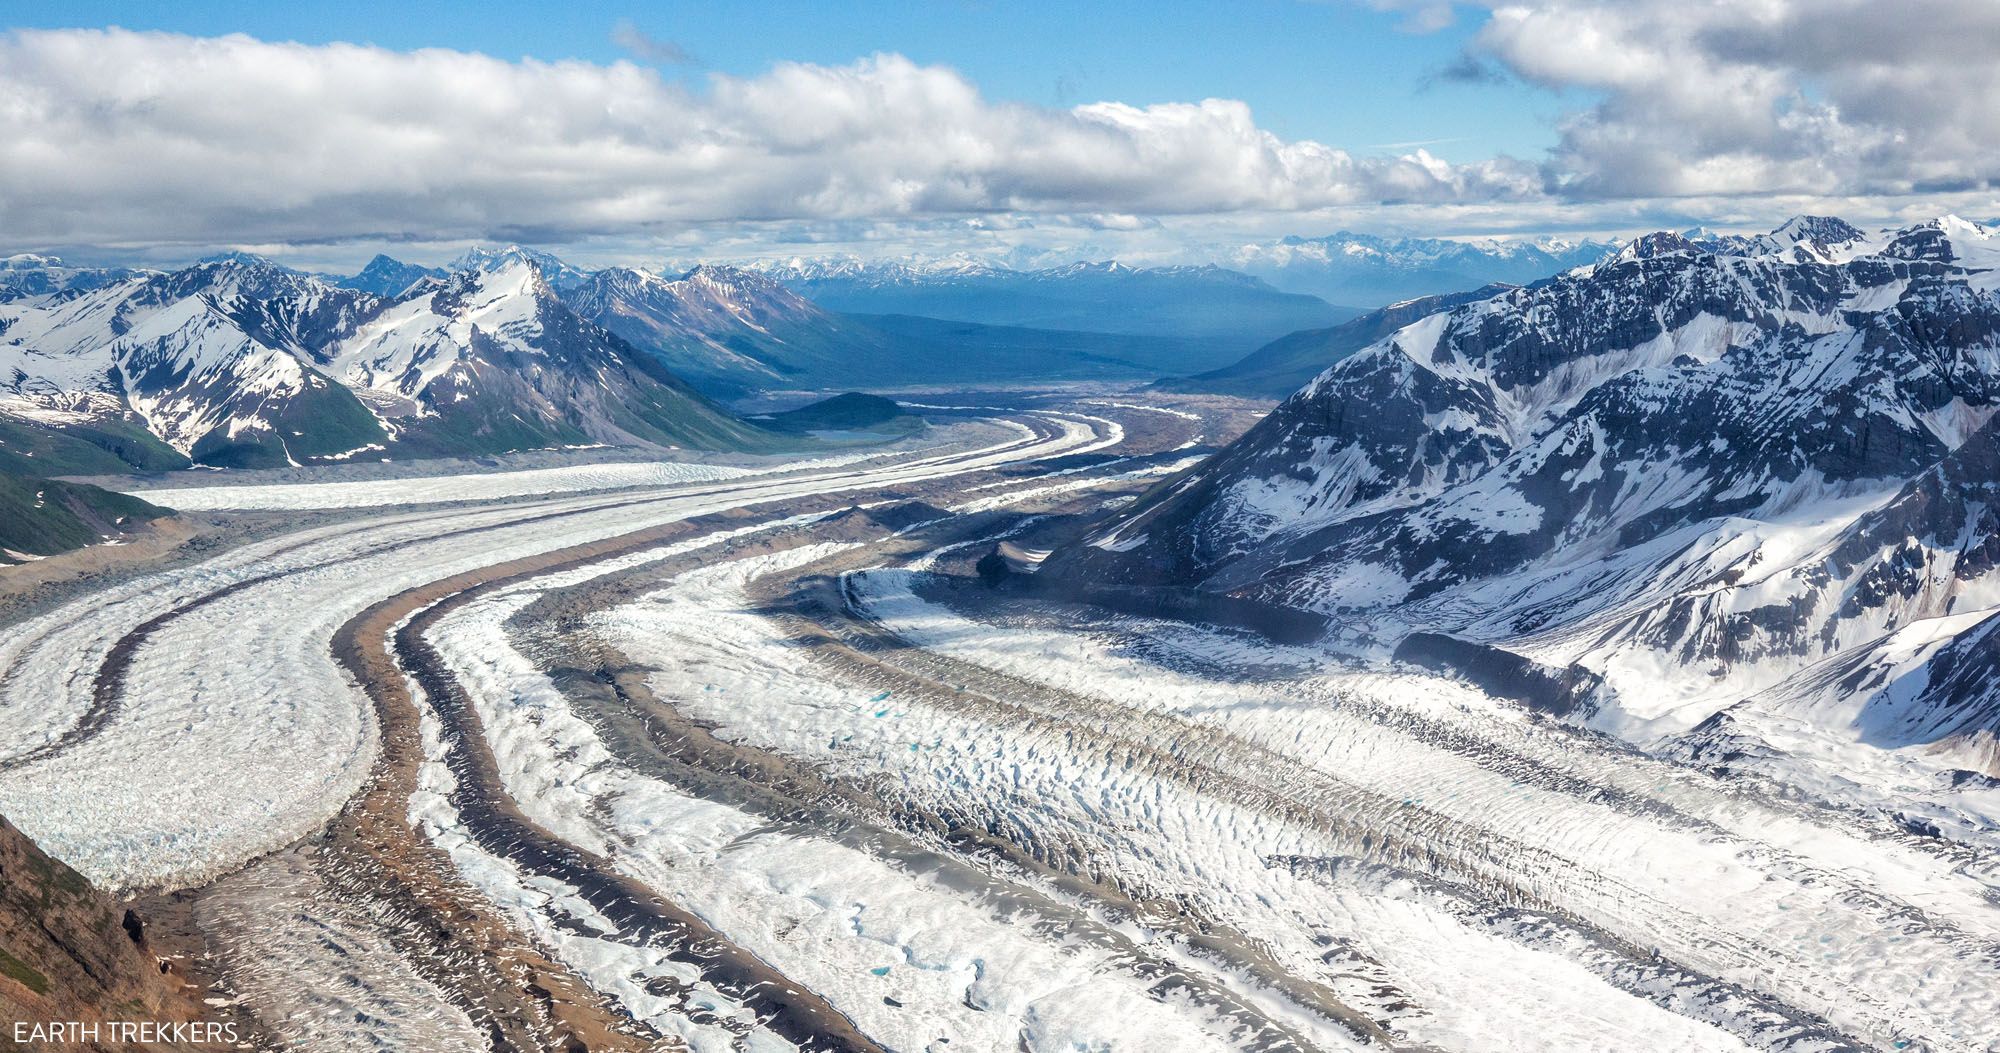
(71, 954)
(240, 362)
(1728, 460)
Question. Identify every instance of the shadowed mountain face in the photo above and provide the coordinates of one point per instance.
(726, 328)
(69, 951)
(386, 276)
(1280, 367)
(1724, 461)
(239, 362)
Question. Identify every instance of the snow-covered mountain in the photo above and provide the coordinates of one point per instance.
(1365, 270)
(1280, 367)
(1745, 477)
(218, 360)
(493, 357)
(561, 275)
(238, 361)
(388, 276)
(1823, 239)
(28, 274)
(722, 326)
(1198, 302)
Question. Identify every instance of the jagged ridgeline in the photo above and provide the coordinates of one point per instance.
(239, 362)
(1698, 470)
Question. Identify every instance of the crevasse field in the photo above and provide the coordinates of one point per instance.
(755, 757)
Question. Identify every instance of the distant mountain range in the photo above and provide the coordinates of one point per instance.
(32, 275)
(238, 361)
(1280, 367)
(1707, 484)
(1367, 271)
(1193, 303)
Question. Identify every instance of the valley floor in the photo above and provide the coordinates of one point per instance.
(749, 758)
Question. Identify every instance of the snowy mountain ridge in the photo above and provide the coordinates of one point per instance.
(1696, 474)
(237, 360)
(1367, 270)
(713, 323)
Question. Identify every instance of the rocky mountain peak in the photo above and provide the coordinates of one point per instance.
(1577, 468)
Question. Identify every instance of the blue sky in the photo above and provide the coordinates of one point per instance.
(1342, 74)
(1153, 132)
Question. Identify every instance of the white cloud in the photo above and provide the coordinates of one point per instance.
(1763, 96)
(1677, 110)
(116, 137)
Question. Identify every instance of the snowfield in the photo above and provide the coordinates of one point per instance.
(920, 814)
(721, 661)
(483, 486)
(229, 751)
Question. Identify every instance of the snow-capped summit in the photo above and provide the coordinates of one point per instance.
(387, 276)
(724, 326)
(222, 361)
(1690, 472)
(1817, 231)
(1659, 243)
(1804, 239)
(560, 275)
(1365, 270)
(494, 354)
(1947, 239)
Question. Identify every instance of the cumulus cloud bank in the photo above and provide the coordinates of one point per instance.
(115, 136)
(149, 139)
(1857, 97)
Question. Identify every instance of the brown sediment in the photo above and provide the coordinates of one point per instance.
(658, 738)
(522, 992)
(70, 952)
(523, 999)
(370, 854)
(152, 543)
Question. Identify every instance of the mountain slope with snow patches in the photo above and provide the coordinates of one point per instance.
(1367, 270)
(238, 361)
(1691, 473)
(724, 327)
